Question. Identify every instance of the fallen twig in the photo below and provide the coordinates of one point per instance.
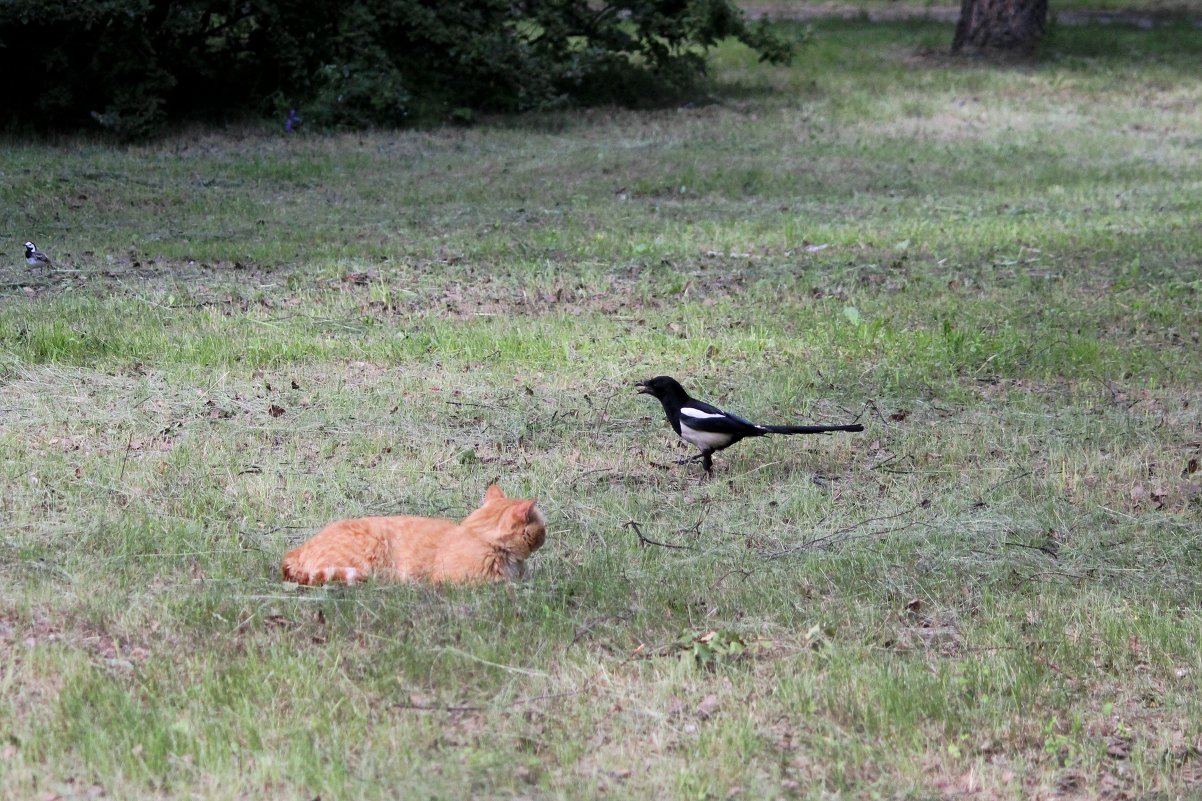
(694, 529)
(826, 538)
(591, 472)
(510, 668)
(1003, 483)
(125, 458)
(436, 707)
(477, 405)
(879, 465)
(1043, 549)
(456, 708)
(871, 404)
(718, 582)
(1034, 576)
(644, 541)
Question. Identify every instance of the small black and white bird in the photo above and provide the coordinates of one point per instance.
(710, 428)
(35, 257)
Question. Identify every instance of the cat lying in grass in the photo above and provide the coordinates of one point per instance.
(491, 544)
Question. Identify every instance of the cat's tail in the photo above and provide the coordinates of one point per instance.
(293, 571)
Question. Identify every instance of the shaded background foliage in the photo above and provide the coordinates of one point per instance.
(131, 65)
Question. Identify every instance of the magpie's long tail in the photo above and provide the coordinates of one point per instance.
(811, 429)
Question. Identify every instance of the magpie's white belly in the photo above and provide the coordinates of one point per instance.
(705, 440)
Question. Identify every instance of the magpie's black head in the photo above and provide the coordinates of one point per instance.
(662, 386)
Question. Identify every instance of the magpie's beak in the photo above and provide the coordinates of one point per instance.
(644, 389)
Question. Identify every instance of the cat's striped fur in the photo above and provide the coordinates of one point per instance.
(490, 544)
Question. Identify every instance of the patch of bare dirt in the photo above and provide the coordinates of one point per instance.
(88, 271)
(920, 629)
(99, 644)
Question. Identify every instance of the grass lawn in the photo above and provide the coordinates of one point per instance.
(1073, 9)
(993, 592)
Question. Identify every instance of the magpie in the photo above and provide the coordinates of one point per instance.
(710, 428)
(35, 257)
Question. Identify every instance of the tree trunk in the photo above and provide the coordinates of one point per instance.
(1014, 26)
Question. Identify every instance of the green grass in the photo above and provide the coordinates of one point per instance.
(1071, 9)
(992, 590)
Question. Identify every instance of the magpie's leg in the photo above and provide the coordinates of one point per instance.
(692, 458)
(707, 461)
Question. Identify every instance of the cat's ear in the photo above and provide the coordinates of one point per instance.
(525, 511)
(493, 493)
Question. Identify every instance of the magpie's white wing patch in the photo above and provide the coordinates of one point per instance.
(697, 414)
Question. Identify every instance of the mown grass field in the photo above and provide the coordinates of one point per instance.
(1070, 10)
(992, 592)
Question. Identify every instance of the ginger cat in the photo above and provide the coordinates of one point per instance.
(491, 544)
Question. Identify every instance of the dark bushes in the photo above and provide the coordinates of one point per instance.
(130, 65)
